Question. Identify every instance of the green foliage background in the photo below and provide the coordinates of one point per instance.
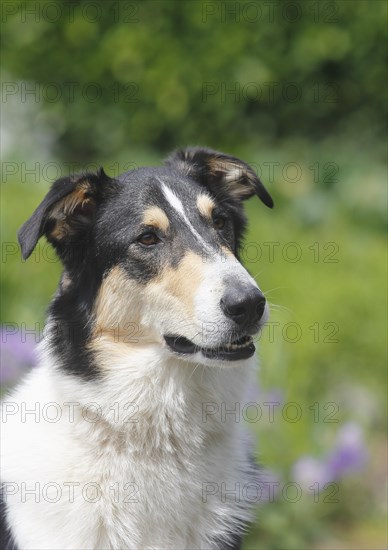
(191, 72)
(159, 65)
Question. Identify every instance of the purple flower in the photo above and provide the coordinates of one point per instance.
(17, 355)
(349, 453)
(309, 470)
(347, 456)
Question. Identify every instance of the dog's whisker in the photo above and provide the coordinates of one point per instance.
(279, 307)
(266, 292)
(192, 374)
(257, 274)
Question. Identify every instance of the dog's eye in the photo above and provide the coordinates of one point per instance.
(148, 239)
(219, 222)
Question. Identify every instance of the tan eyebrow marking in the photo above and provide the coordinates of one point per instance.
(205, 205)
(157, 217)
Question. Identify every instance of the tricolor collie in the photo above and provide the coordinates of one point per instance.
(148, 345)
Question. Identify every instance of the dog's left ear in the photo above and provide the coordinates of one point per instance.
(66, 213)
(214, 169)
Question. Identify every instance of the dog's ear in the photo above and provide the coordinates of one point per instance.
(214, 169)
(66, 212)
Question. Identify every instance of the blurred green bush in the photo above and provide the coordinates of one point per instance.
(162, 74)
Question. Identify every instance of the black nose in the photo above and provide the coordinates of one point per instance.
(244, 306)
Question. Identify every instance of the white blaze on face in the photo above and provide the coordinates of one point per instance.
(176, 203)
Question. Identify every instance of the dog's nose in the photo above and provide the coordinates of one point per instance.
(243, 306)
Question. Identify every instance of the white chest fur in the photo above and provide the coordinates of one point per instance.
(144, 458)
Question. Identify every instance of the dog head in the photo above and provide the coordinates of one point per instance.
(152, 258)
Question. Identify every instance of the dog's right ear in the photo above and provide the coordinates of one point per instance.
(220, 172)
(67, 211)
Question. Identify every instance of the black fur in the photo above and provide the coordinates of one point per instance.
(7, 541)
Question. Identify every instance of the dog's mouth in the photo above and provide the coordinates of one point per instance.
(243, 348)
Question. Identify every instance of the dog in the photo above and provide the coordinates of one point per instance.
(117, 438)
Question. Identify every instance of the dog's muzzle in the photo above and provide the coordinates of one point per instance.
(243, 306)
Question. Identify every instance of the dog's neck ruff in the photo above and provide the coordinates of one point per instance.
(153, 431)
(145, 390)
